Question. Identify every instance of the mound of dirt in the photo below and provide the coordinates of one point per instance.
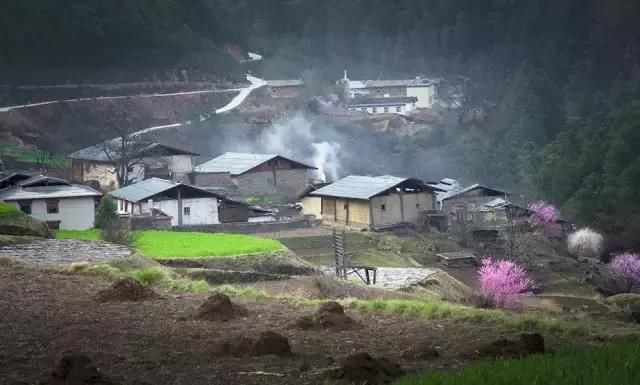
(16, 223)
(76, 369)
(125, 289)
(624, 300)
(441, 284)
(361, 368)
(330, 315)
(267, 343)
(218, 307)
(529, 343)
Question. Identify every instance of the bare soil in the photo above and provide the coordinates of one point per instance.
(44, 313)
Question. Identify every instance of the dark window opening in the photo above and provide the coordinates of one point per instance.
(186, 210)
(383, 207)
(53, 207)
(346, 206)
(25, 207)
(417, 205)
(53, 225)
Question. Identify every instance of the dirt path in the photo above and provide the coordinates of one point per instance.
(44, 313)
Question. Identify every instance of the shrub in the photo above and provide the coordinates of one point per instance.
(150, 275)
(627, 267)
(116, 232)
(585, 243)
(502, 279)
(106, 212)
(544, 212)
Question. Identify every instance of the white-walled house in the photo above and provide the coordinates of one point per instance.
(58, 203)
(398, 105)
(424, 90)
(185, 204)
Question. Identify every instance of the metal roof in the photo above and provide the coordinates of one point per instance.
(148, 188)
(417, 82)
(359, 187)
(48, 192)
(237, 163)
(465, 190)
(97, 152)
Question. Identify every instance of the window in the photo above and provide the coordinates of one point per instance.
(386, 109)
(383, 207)
(25, 206)
(126, 206)
(186, 210)
(52, 206)
(398, 109)
(417, 205)
(346, 206)
(374, 109)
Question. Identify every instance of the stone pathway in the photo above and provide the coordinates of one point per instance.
(394, 277)
(64, 251)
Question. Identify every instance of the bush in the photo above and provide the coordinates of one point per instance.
(151, 275)
(544, 212)
(116, 232)
(627, 267)
(502, 279)
(106, 212)
(585, 243)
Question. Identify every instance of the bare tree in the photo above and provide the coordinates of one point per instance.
(127, 150)
(516, 234)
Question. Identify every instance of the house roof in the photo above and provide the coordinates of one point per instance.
(417, 82)
(361, 187)
(150, 149)
(371, 102)
(458, 192)
(57, 191)
(237, 163)
(285, 83)
(149, 188)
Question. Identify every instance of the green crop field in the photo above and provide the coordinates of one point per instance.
(614, 364)
(174, 244)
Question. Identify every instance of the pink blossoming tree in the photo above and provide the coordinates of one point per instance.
(627, 266)
(544, 212)
(500, 280)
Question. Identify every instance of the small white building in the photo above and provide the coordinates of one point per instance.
(390, 105)
(424, 90)
(57, 202)
(185, 204)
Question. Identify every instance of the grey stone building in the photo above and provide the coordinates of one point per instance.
(264, 178)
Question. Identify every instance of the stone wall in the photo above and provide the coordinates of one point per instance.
(252, 227)
(287, 186)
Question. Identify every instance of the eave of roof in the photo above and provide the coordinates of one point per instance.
(237, 163)
(361, 187)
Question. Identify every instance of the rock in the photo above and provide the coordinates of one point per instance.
(361, 368)
(271, 343)
(125, 289)
(218, 307)
(77, 369)
(624, 300)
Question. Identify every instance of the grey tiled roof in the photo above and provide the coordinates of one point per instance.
(359, 187)
(48, 192)
(237, 163)
(285, 83)
(148, 188)
(97, 152)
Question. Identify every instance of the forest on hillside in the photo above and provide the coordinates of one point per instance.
(562, 78)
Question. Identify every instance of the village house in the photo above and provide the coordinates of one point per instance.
(182, 203)
(269, 176)
(371, 202)
(57, 202)
(98, 163)
(288, 88)
(423, 90)
(392, 105)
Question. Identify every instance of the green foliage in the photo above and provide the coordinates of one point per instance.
(35, 157)
(150, 275)
(9, 211)
(106, 213)
(613, 364)
(85, 235)
(169, 244)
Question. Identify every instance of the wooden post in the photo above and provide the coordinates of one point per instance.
(371, 220)
(179, 206)
(401, 205)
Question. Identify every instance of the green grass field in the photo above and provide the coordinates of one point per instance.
(25, 155)
(173, 244)
(614, 364)
(8, 211)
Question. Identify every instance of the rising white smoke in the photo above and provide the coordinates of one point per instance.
(326, 160)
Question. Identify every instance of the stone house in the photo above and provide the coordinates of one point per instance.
(182, 203)
(156, 160)
(57, 202)
(390, 105)
(288, 88)
(475, 208)
(270, 176)
(371, 202)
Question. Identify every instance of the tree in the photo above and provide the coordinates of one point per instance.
(106, 212)
(627, 267)
(501, 280)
